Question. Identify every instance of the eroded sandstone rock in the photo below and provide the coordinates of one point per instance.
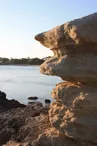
(75, 47)
(82, 68)
(75, 35)
(74, 112)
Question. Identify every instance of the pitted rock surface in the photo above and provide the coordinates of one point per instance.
(74, 112)
(75, 50)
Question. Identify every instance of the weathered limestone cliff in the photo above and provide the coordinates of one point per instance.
(73, 115)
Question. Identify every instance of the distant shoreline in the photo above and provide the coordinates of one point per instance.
(20, 64)
(21, 61)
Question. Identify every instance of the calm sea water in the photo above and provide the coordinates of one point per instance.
(20, 82)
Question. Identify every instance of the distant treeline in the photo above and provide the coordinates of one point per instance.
(21, 61)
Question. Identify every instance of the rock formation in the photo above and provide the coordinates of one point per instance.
(73, 115)
(6, 104)
(21, 126)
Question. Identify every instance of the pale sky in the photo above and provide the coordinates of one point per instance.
(21, 20)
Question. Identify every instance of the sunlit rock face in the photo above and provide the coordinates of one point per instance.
(75, 47)
(74, 112)
(77, 32)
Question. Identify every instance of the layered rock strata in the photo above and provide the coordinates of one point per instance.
(74, 112)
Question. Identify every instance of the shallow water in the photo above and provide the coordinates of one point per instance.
(20, 82)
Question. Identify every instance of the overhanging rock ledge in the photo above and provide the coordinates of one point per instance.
(73, 115)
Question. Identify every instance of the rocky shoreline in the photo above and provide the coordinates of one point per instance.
(21, 124)
(71, 120)
(6, 104)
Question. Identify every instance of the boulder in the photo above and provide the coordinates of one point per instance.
(6, 104)
(2, 95)
(10, 104)
(73, 113)
(47, 101)
(33, 98)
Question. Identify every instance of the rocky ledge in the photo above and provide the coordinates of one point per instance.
(75, 47)
(6, 104)
(21, 124)
(73, 115)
